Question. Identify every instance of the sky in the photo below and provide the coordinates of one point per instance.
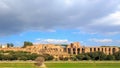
(90, 22)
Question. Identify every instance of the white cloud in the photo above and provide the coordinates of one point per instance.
(3, 5)
(55, 41)
(109, 24)
(110, 20)
(101, 40)
(68, 2)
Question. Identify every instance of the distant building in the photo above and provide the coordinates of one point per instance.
(60, 51)
(75, 48)
(3, 46)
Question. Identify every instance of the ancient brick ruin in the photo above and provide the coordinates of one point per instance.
(62, 51)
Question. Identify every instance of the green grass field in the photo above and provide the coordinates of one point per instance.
(82, 64)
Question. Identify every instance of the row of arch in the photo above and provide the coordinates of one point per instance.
(84, 50)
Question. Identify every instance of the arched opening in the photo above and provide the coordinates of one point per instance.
(98, 49)
(90, 49)
(74, 50)
(69, 51)
(78, 50)
(109, 51)
(113, 50)
(83, 50)
(94, 49)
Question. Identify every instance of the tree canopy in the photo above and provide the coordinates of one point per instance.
(10, 45)
(27, 43)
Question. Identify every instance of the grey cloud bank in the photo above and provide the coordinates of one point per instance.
(93, 16)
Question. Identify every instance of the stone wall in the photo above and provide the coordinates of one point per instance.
(58, 51)
(76, 48)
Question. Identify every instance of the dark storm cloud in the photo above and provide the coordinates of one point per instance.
(21, 15)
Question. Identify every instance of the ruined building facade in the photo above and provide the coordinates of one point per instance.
(60, 51)
(76, 48)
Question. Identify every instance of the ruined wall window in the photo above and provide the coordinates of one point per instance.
(74, 52)
(90, 49)
(69, 51)
(113, 50)
(98, 49)
(94, 49)
(45, 47)
(74, 49)
(83, 50)
(78, 50)
(109, 49)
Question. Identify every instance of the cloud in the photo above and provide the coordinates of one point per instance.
(109, 24)
(104, 41)
(101, 40)
(55, 41)
(17, 16)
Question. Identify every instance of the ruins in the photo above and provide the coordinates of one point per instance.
(63, 51)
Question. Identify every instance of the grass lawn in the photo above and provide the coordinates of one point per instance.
(70, 64)
(84, 65)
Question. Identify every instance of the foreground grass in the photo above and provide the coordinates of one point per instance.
(16, 65)
(84, 65)
(70, 64)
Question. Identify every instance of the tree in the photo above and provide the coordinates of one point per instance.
(86, 57)
(73, 57)
(97, 55)
(48, 57)
(10, 44)
(32, 56)
(27, 43)
(117, 55)
(80, 56)
(102, 56)
(23, 58)
(110, 57)
(17, 55)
